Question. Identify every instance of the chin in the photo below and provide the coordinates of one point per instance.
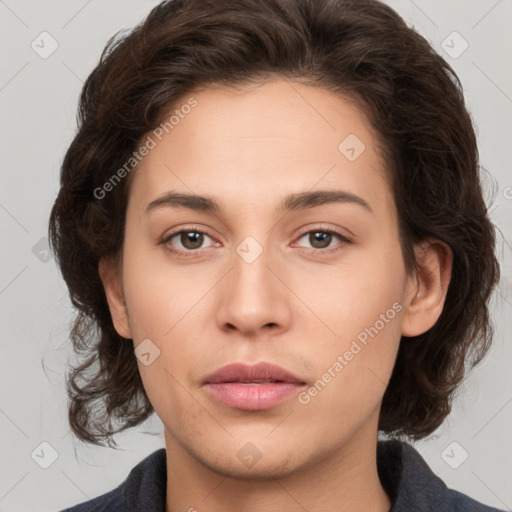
(267, 468)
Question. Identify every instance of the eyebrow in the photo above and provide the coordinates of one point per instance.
(293, 202)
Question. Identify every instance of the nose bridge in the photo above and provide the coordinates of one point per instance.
(250, 265)
(253, 296)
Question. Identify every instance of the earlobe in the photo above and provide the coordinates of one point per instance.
(112, 284)
(426, 290)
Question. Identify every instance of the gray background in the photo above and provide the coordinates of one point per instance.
(38, 100)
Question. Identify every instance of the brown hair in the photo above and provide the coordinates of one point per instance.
(361, 49)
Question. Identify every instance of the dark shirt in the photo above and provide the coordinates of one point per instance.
(406, 477)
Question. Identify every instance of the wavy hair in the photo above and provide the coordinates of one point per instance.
(361, 49)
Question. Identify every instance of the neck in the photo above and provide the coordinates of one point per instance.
(346, 480)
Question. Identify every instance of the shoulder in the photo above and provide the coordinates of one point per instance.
(143, 489)
(413, 485)
(111, 501)
(463, 503)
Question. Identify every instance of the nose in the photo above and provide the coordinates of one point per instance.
(254, 298)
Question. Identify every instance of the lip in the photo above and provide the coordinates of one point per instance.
(252, 387)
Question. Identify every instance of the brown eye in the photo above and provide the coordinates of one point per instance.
(321, 239)
(186, 240)
(191, 239)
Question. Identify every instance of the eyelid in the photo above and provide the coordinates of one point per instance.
(344, 239)
(194, 229)
(326, 229)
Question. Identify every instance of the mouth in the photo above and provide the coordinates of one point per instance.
(256, 387)
(252, 374)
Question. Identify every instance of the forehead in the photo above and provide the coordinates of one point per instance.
(252, 145)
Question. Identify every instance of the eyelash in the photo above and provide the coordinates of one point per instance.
(189, 253)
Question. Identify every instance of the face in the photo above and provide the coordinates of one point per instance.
(317, 287)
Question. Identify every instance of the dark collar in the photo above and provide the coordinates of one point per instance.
(413, 486)
(404, 474)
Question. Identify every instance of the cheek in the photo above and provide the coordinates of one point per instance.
(353, 370)
(355, 349)
(160, 296)
(344, 300)
(162, 306)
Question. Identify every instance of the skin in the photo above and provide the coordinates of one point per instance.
(295, 305)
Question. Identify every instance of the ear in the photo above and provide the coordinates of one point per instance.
(426, 289)
(109, 271)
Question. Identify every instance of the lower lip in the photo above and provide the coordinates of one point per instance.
(253, 397)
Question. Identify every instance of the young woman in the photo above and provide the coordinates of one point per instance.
(272, 226)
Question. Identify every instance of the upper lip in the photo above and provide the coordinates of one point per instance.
(261, 372)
